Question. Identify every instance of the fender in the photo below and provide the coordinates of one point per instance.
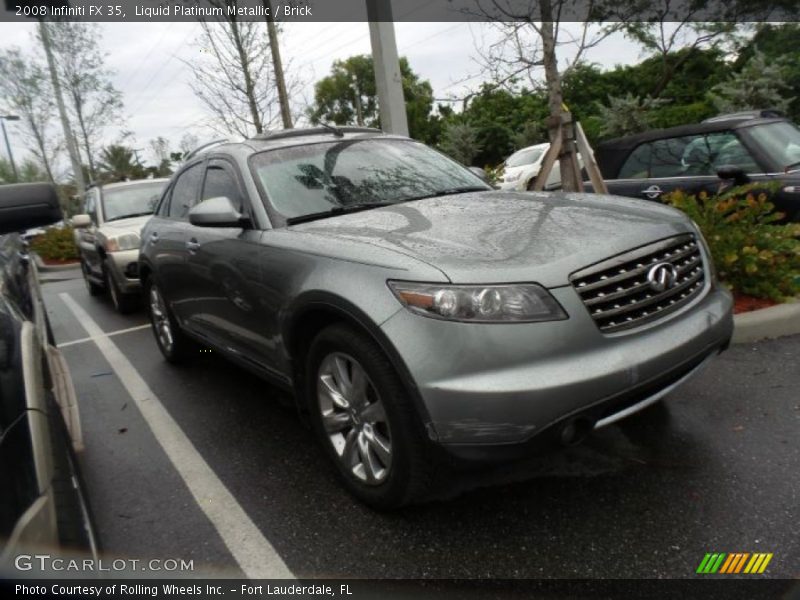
(337, 306)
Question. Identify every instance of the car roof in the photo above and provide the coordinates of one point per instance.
(119, 184)
(611, 154)
(284, 138)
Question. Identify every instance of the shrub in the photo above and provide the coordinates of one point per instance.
(753, 254)
(56, 244)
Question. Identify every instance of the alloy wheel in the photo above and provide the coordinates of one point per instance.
(354, 418)
(160, 317)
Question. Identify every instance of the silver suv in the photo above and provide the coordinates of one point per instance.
(414, 311)
(107, 236)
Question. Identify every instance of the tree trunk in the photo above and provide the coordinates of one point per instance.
(68, 137)
(277, 65)
(84, 134)
(249, 88)
(570, 181)
(42, 150)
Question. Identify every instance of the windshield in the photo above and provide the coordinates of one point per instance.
(131, 200)
(315, 178)
(527, 156)
(781, 141)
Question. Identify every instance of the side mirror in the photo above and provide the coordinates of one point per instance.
(28, 205)
(81, 221)
(733, 172)
(216, 212)
(480, 173)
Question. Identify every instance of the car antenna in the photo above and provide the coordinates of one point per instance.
(332, 128)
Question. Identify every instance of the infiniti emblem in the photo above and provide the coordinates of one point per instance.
(662, 277)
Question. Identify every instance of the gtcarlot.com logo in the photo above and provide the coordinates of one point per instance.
(735, 562)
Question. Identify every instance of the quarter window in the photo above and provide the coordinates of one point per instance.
(184, 192)
(221, 182)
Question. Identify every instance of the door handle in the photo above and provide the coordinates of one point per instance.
(652, 192)
(192, 246)
(154, 237)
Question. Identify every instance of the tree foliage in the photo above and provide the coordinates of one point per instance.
(348, 96)
(25, 91)
(92, 100)
(759, 84)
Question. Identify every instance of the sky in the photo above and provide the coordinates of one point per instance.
(149, 65)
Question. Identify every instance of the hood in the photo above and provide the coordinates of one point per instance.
(504, 237)
(129, 225)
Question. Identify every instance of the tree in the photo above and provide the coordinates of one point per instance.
(233, 77)
(348, 97)
(119, 163)
(26, 91)
(93, 101)
(778, 42)
(460, 141)
(529, 39)
(27, 172)
(628, 114)
(760, 84)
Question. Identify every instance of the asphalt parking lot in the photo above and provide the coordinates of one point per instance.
(714, 469)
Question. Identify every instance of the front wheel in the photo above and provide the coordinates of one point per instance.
(91, 287)
(366, 422)
(173, 343)
(123, 303)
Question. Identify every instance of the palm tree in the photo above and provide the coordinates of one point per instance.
(118, 163)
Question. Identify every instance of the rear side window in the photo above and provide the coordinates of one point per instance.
(221, 182)
(666, 157)
(185, 191)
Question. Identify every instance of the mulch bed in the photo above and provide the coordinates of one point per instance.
(743, 303)
(56, 262)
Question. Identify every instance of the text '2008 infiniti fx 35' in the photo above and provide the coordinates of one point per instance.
(414, 311)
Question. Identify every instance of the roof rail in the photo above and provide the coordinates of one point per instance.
(769, 113)
(197, 150)
(290, 133)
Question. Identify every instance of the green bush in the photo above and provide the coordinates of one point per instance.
(56, 244)
(753, 254)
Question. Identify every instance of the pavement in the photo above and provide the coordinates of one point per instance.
(714, 468)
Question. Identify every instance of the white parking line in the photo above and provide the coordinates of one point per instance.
(104, 334)
(251, 550)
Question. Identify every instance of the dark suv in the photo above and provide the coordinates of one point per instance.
(735, 148)
(414, 310)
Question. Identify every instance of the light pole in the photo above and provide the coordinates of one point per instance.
(3, 119)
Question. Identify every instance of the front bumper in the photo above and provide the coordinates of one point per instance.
(485, 385)
(124, 266)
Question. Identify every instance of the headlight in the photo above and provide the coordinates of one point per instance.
(479, 303)
(125, 241)
(513, 177)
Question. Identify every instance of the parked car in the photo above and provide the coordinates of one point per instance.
(737, 148)
(107, 235)
(413, 310)
(43, 504)
(521, 169)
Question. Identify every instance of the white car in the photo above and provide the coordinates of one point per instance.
(521, 169)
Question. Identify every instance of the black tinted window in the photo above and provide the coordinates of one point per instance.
(221, 182)
(667, 156)
(184, 192)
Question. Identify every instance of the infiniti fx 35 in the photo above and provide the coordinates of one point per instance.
(415, 312)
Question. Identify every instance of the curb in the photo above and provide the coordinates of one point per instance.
(43, 267)
(773, 322)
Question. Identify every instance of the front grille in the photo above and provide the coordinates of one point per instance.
(619, 295)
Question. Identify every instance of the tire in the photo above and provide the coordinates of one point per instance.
(91, 287)
(123, 303)
(531, 184)
(381, 417)
(175, 345)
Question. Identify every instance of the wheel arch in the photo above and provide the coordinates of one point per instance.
(317, 310)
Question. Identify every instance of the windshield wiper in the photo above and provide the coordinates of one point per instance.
(141, 214)
(791, 167)
(450, 191)
(336, 210)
